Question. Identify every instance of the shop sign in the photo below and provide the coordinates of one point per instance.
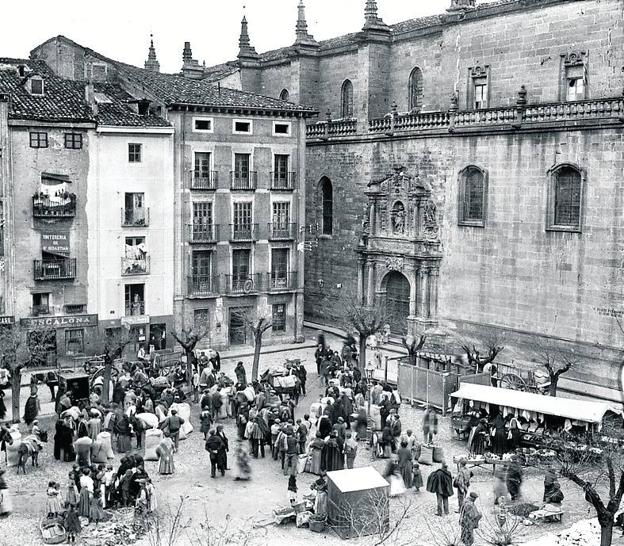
(135, 320)
(7, 320)
(56, 243)
(71, 321)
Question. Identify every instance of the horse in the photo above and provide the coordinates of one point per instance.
(29, 447)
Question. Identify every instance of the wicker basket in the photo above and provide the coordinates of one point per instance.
(317, 525)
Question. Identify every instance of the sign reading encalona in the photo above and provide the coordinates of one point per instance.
(60, 322)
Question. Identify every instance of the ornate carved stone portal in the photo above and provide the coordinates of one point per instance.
(399, 252)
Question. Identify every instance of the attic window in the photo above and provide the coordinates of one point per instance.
(203, 125)
(36, 86)
(281, 128)
(101, 98)
(242, 127)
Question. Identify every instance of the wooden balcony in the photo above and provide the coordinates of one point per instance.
(45, 206)
(52, 270)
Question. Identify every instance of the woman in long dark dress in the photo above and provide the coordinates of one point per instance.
(124, 435)
(58, 439)
(3, 410)
(32, 408)
(479, 438)
(500, 435)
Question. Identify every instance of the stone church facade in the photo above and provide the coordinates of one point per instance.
(497, 127)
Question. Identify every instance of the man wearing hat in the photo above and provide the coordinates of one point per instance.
(440, 482)
(171, 427)
(469, 519)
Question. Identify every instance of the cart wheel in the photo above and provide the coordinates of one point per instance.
(513, 382)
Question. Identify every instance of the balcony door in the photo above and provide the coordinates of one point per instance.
(201, 270)
(279, 267)
(241, 268)
(202, 220)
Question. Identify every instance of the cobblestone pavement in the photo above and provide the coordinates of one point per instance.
(219, 500)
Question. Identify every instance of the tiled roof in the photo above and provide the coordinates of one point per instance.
(63, 100)
(418, 23)
(118, 112)
(218, 72)
(173, 89)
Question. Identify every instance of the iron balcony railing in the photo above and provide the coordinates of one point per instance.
(282, 231)
(243, 181)
(135, 217)
(131, 266)
(244, 284)
(50, 270)
(203, 285)
(38, 310)
(201, 233)
(243, 232)
(135, 308)
(283, 181)
(63, 206)
(205, 180)
(282, 280)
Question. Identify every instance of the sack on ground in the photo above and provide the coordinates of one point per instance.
(98, 452)
(426, 455)
(438, 454)
(153, 437)
(149, 420)
(250, 394)
(301, 463)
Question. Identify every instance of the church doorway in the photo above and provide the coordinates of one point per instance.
(397, 301)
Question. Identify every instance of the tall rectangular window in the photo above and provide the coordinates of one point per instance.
(38, 139)
(281, 215)
(242, 215)
(134, 297)
(201, 320)
(134, 153)
(575, 90)
(41, 304)
(280, 169)
(241, 264)
(241, 166)
(278, 318)
(202, 214)
(74, 341)
(201, 263)
(135, 213)
(202, 165)
(573, 82)
(279, 265)
(480, 93)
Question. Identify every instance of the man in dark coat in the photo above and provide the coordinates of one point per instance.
(332, 457)
(440, 482)
(469, 519)
(514, 478)
(222, 459)
(241, 374)
(214, 445)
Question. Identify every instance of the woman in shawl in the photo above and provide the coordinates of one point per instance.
(3, 410)
(164, 451)
(500, 435)
(479, 438)
(32, 408)
(405, 464)
(324, 426)
(315, 452)
(320, 503)
(332, 457)
(124, 434)
(86, 492)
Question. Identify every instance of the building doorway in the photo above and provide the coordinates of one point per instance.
(397, 301)
(158, 337)
(239, 332)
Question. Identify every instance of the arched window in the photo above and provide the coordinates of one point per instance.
(327, 201)
(566, 191)
(285, 95)
(347, 99)
(472, 197)
(415, 90)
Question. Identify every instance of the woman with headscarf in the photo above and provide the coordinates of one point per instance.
(315, 452)
(478, 441)
(164, 451)
(500, 435)
(332, 457)
(124, 434)
(32, 407)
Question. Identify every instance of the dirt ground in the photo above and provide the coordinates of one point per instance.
(241, 505)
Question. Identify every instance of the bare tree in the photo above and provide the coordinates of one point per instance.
(166, 527)
(595, 463)
(363, 318)
(413, 347)
(188, 338)
(556, 363)
(502, 530)
(22, 349)
(445, 532)
(114, 345)
(492, 346)
(258, 323)
(243, 534)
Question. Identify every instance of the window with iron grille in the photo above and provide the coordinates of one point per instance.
(73, 141)
(74, 308)
(241, 264)
(472, 197)
(281, 215)
(38, 139)
(202, 214)
(201, 263)
(279, 265)
(242, 215)
(202, 165)
(278, 318)
(134, 153)
(241, 166)
(566, 199)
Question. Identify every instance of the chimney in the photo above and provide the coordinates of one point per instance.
(461, 5)
(90, 98)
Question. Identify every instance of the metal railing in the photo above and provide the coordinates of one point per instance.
(282, 231)
(135, 217)
(131, 266)
(283, 181)
(201, 233)
(244, 284)
(205, 181)
(282, 280)
(45, 206)
(135, 309)
(203, 285)
(248, 182)
(243, 232)
(38, 310)
(45, 270)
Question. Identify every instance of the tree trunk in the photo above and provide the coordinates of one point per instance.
(362, 361)
(108, 370)
(552, 388)
(606, 533)
(256, 359)
(189, 368)
(16, 386)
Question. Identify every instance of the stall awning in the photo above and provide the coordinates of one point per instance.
(579, 410)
